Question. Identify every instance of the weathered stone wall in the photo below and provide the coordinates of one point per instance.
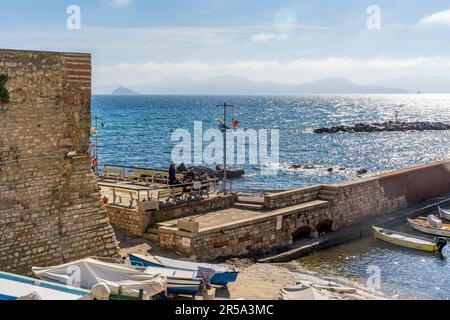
(131, 220)
(50, 209)
(347, 204)
(362, 199)
(192, 208)
(267, 232)
(291, 197)
(137, 223)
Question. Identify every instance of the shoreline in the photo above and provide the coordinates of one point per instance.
(256, 281)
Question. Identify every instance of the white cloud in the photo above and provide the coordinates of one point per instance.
(442, 17)
(117, 3)
(263, 37)
(285, 20)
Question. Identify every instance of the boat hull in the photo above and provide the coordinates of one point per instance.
(414, 223)
(220, 278)
(407, 241)
(444, 214)
(14, 286)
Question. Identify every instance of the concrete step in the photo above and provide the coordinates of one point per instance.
(314, 204)
(327, 197)
(328, 192)
(248, 206)
(152, 237)
(251, 200)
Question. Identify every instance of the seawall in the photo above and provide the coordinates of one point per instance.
(306, 213)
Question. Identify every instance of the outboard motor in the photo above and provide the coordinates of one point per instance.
(441, 243)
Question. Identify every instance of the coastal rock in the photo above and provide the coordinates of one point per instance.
(386, 126)
(199, 171)
(232, 173)
(299, 166)
(362, 171)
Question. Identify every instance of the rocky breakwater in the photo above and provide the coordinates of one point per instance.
(386, 126)
(218, 173)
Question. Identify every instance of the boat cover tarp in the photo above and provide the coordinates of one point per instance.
(434, 221)
(302, 292)
(89, 272)
(309, 291)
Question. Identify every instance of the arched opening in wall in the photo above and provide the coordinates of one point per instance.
(324, 227)
(301, 233)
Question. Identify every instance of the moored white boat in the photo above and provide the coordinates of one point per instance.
(223, 274)
(13, 287)
(422, 225)
(444, 214)
(178, 281)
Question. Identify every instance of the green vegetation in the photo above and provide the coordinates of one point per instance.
(4, 94)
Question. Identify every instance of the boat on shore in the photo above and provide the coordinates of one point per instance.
(14, 287)
(422, 225)
(444, 213)
(223, 274)
(410, 241)
(131, 279)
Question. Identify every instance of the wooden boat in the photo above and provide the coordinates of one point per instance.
(410, 241)
(224, 274)
(421, 224)
(178, 281)
(12, 287)
(444, 214)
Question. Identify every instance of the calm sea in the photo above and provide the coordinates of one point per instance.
(136, 130)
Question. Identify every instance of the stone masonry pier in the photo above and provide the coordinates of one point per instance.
(297, 214)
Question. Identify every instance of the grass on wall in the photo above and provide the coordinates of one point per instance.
(4, 94)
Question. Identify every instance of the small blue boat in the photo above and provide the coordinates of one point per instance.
(131, 278)
(224, 274)
(13, 287)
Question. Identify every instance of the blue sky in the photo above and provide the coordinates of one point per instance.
(139, 41)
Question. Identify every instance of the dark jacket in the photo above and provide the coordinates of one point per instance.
(172, 174)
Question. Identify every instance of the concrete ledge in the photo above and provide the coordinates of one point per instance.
(301, 208)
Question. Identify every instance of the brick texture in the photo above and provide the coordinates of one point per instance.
(50, 209)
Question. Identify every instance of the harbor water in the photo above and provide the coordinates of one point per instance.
(403, 273)
(136, 130)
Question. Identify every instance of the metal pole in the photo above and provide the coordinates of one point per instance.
(224, 187)
(96, 144)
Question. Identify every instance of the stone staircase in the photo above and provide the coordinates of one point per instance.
(249, 203)
(328, 193)
(151, 235)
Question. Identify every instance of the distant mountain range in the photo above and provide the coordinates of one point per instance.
(225, 85)
(422, 84)
(237, 85)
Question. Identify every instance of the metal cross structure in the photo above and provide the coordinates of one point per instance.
(225, 106)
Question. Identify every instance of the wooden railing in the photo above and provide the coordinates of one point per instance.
(162, 193)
